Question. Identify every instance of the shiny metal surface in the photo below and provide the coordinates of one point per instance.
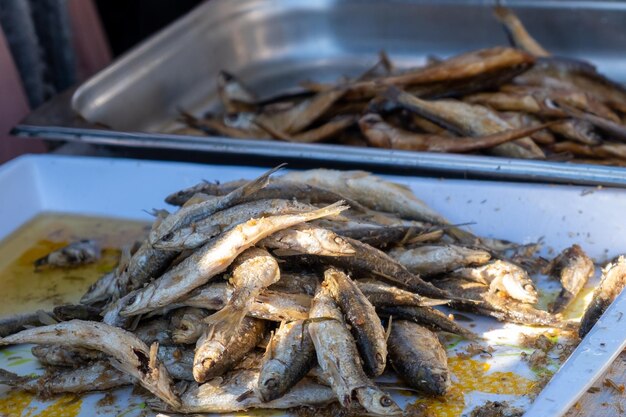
(592, 357)
(275, 44)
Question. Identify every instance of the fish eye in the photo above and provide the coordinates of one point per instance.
(271, 383)
(168, 236)
(386, 401)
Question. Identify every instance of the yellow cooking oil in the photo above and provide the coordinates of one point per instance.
(25, 289)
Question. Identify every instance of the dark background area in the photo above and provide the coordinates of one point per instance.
(129, 22)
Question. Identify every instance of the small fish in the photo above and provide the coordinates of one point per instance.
(577, 130)
(384, 135)
(219, 352)
(213, 258)
(129, 353)
(17, 322)
(236, 392)
(518, 35)
(101, 290)
(426, 316)
(506, 101)
(188, 328)
(268, 305)
(235, 96)
(254, 270)
(338, 357)
(154, 330)
(193, 213)
(380, 294)
(307, 240)
(199, 233)
(97, 376)
(611, 285)
(573, 268)
(436, 259)
(289, 356)
(419, 359)
(58, 355)
(76, 311)
(468, 119)
(504, 277)
(75, 254)
(499, 307)
(361, 316)
(180, 197)
(381, 237)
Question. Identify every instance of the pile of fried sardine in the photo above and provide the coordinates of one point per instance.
(516, 102)
(289, 291)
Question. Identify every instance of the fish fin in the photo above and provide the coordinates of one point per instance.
(225, 321)
(261, 181)
(13, 380)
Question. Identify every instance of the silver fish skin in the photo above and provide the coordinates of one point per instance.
(380, 294)
(369, 190)
(217, 353)
(75, 254)
(502, 276)
(269, 305)
(611, 285)
(98, 376)
(360, 314)
(196, 212)
(201, 232)
(235, 392)
(307, 240)
(213, 258)
(254, 270)
(289, 356)
(573, 268)
(436, 259)
(338, 357)
(129, 353)
(418, 357)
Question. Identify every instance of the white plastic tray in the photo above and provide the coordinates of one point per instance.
(561, 215)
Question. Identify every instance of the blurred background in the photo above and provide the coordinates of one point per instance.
(46, 46)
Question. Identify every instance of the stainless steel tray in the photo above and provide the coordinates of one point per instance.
(275, 44)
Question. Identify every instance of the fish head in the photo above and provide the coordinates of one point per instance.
(519, 288)
(377, 402)
(271, 383)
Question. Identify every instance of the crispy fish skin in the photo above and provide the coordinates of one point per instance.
(380, 294)
(253, 270)
(384, 135)
(573, 268)
(98, 376)
(436, 259)
(269, 305)
(129, 353)
(504, 277)
(201, 232)
(418, 357)
(216, 354)
(235, 392)
(75, 254)
(426, 316)
(190, 214)
(468, 119)
(289, 356)
(309, 240)
(57, 355)
(369, 261)
(337, 355)
(360, 314)
(611, 285)
(213, 258)
(501, 308)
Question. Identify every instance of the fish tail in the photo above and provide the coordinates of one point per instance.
(227, 320)
(11, 379)
(330, 210)
(261, 181)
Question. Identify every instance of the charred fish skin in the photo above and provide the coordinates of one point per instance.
(418, 357)
(215, 354)
(436, 259)
(213, 258)
(365, 325)
(611, 285)
(337, 355)
(75, 254)
(289, 356)
(129, 353)
(573, 268)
